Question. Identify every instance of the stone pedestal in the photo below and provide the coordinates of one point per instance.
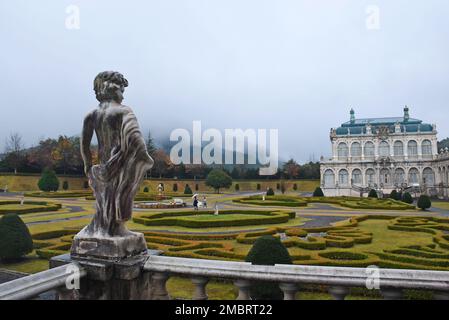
(108, 280)
(108, 248)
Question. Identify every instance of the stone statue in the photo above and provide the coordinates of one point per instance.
(123, 160)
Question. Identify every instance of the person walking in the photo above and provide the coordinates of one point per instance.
(195, 203)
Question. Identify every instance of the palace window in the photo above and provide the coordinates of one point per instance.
(356, 150)
(369, 149)
(412, 148)
(426, 148)
(385, 176)
(428, 177)
(370, 177)
(413, 176)
(342, 151)
(384, 149)
(399, 176)
(398, 149)
(329, 179)
(343, 177)
(357, 176)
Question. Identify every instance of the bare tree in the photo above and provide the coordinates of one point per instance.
(14, 150)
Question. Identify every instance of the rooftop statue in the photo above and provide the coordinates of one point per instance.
(123, 160)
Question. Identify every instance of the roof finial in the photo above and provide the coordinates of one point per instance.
(352, 113)
(406, 114)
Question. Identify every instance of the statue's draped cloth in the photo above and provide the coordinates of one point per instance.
(116, 182)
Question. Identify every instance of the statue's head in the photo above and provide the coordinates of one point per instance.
(109, 86)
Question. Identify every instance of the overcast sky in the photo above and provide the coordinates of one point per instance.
(297, 66)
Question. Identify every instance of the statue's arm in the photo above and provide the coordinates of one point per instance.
(86, 138)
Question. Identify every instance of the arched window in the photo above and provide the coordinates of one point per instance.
(426, 148)
(342, 151)
(329, 179)
(357, 176)
(356, 150)
(399, 176)
(428, 176)
(385, 176)
(413, 176)
(384, 149)
(412, 148)
(369, 149)
(370, 177)
(398, 149)
(343, 177)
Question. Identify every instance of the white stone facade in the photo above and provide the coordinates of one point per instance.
(384, 157)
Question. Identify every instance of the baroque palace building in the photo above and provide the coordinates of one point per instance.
(385, 154)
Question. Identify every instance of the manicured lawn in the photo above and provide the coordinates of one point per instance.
(440, 205)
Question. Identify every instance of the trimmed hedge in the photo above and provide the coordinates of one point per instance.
(42, 207)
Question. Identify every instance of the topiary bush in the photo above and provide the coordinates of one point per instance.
(48, 181)
(187, 190)
(318, 192)
(197, 187)
(15, 239)
(146, 189)
(270, 192)
(372, 194)
(65, 185)
(424, 202)
(175, 187)
(267, 250)
(237, 187)
(295, 186)
(394, 195)
(407, 198)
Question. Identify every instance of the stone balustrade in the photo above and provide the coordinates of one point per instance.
(33, 285)
(339, 280)
(290, 278)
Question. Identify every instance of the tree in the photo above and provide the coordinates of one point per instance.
(424, 202)
(48, 181)
(15, 239)
(270, 192)
(217, 179)
(318, 192)
(162, 163)
(291, 169)
(14, 151)
(267, 250)
(151, 146)
(187, 190)
(407, 198)
(373, 194)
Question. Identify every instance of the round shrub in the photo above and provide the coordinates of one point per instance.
(372, 194)
(187, 190)
(146, 189)
(407, 198)
(48, 181)
(237, 187)
(424, 202)
(15, 239)
(394, 195)
(65, 185)
(318, 192)
(270, 192)
(267, 250)
(175, 187)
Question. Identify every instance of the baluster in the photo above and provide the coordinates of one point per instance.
(391, 294)
(243, 286)
(289, 290)
(159, 291)
(441, 295)
(200, 288)
(339, 292)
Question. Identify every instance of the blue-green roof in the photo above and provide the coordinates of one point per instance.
(358, 126)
